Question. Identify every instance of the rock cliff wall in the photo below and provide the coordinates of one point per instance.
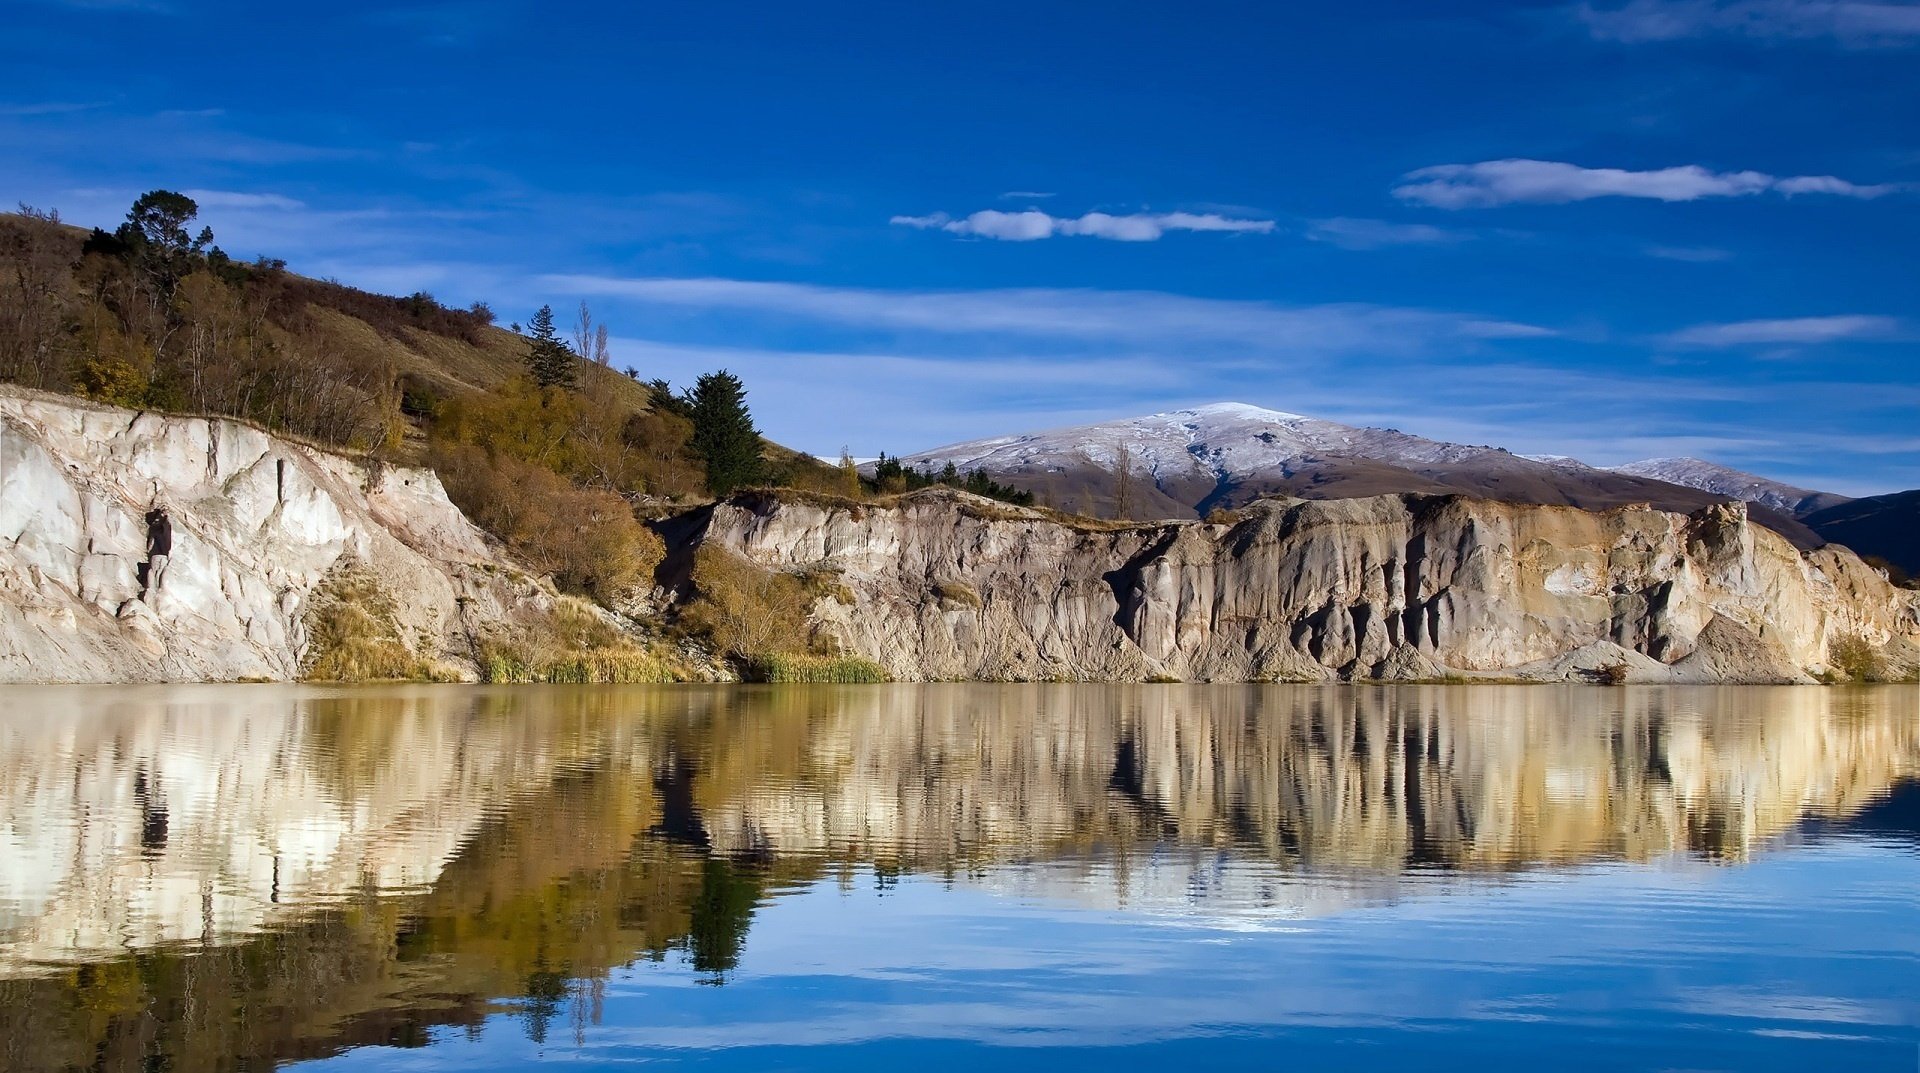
(949, 586)
(259, 524)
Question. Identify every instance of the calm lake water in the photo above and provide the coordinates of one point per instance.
(1020, 877)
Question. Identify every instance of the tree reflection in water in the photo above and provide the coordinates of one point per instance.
(210, 878)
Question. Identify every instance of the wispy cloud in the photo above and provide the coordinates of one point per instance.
(1362, 234)
(1695, 254)
(232, 199)
(1121, 316)
(1032, 224)
(1788, 331)
(1550, 182)
(1855, 23)
(40, 108)
(154, 6)
(1827, 184)
(1025, 195)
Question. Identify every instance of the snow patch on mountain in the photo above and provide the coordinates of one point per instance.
(1730, 482)
(1220, 441)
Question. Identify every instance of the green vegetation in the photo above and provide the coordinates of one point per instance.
(788, 667)
(536, 437)
(892, 477)
(1613, 674)
(747, 611)
(549, 361)
(723, 432)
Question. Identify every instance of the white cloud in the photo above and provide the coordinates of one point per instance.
(1827, 184)
(1128, 317)
(1359, 234)
(229, 199)
(1789, 331)
(1032, 224)
(1850, 22)
(1550, 182)
(1025, 195)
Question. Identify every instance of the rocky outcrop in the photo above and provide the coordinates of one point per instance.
(949, 586)
(260, 524)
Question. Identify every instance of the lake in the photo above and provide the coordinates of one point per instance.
(1031, 877)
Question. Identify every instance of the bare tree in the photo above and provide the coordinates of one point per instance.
(590, 339)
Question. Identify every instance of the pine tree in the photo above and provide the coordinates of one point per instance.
(723, 432)
(548, 359)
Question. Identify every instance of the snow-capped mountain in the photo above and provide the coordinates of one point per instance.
(1225, 454)
(1726, 481)
(1221, 441)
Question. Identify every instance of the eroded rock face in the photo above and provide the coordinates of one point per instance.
(949, 586)
(258, 524)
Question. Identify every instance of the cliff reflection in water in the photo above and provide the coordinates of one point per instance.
(237, 874)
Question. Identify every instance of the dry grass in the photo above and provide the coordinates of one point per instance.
(786, 667)
(352, 637)
(954, 595)
(573, 644)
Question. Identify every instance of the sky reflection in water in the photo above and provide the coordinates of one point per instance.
(1034, 877)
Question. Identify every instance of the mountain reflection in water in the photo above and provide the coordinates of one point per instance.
(225, 877)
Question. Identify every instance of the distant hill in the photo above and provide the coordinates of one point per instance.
(1727, 481)
(1224, 455)
(1886, 526)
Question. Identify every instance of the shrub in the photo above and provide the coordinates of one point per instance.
(747, 611)
(588, 540)
(1853, 658)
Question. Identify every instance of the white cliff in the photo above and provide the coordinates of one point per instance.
(259, 523)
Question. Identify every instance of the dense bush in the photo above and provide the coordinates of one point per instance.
(138, 318)
(588, 539)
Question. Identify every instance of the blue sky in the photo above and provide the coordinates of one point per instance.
(1611, 231)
